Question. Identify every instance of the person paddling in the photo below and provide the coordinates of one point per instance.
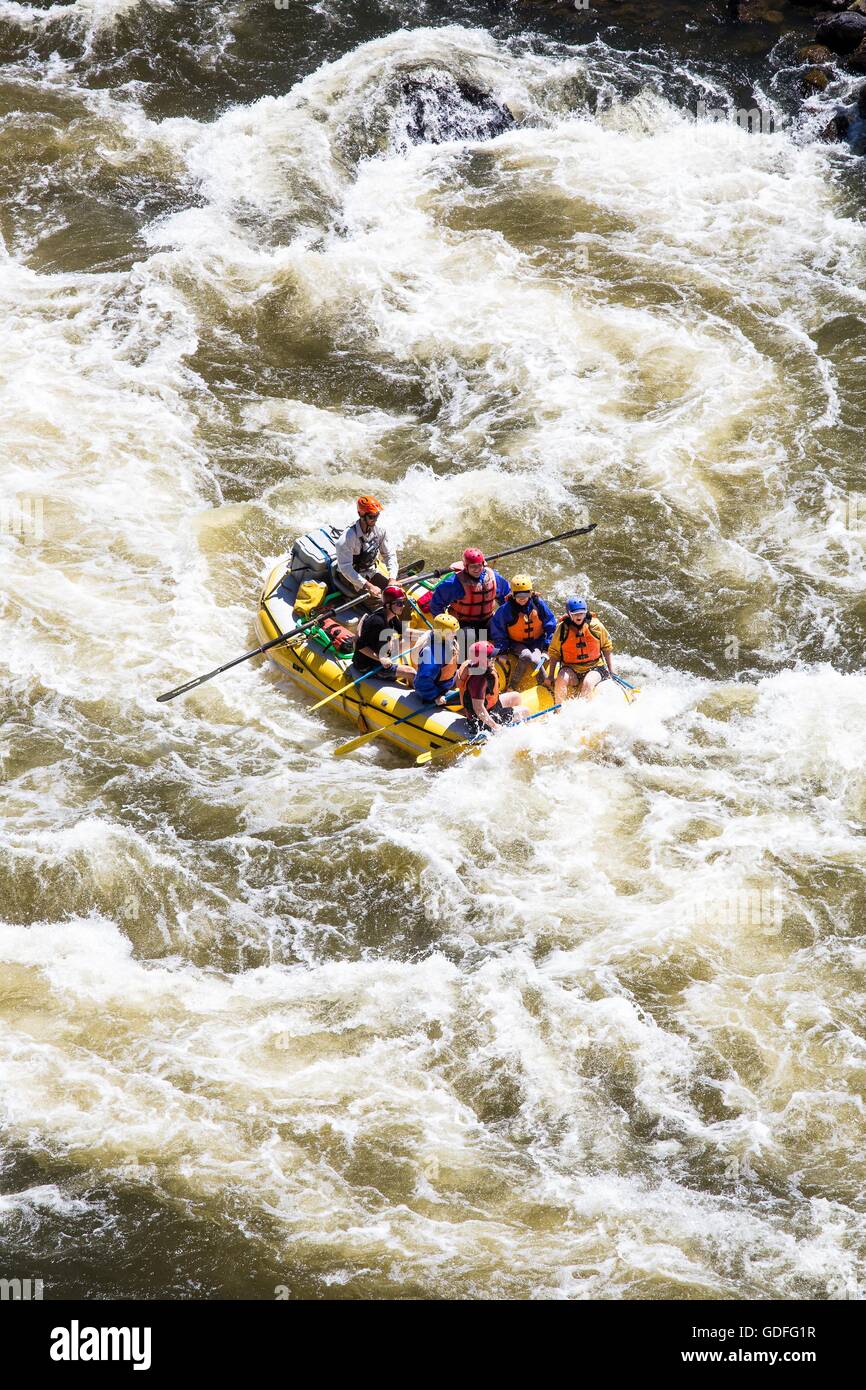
(358, 550)
(470, 594)
(375, 648)
(484, 703)
(521, 631)
(438, 661)
(580, 654)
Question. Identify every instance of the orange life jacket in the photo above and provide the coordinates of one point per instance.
(580, 647)
(479, 597)
(449, 670)
(491, 698)
(527, 627)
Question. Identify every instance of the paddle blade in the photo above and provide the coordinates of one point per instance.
(411, 570)
(181, 689)
(333, 695)
(450, 750)
(356, 743)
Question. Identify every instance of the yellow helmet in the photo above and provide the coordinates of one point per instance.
(521, 584)
(445, 622)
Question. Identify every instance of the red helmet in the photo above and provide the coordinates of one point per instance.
(393, 592)
(369, 506)
(473, 556)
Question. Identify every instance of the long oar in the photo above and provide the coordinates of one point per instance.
(287, 637)
(533, 545)
(365, 675)
(518, 549)
(374, 733)
(475, 743)
(266, 647)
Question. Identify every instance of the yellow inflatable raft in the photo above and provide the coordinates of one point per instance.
(312, 662)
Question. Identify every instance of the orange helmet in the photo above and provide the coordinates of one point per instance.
(368, 506)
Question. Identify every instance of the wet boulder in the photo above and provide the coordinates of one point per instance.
(843, 33)
(837, 129)
(815, 53)
(815, 80)
(857, 61)
(861, 102)
(436, 106)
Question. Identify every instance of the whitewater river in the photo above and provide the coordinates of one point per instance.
(582, 1019)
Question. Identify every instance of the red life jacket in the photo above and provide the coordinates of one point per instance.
(580, 646)
(527, 627)
(479, 597)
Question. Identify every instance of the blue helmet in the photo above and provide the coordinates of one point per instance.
(577, 605)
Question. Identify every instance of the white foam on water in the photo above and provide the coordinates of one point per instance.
(284, 1081)
(95, 13)
(30, 1202)
(746, 226)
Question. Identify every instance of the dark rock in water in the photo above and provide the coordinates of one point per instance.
(841, 32)
(861, 102)
(440, 107)
(837, 129)
(815, 80)
(858, 58)
(815, 53)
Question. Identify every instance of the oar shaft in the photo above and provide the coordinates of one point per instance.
(363, 676)
(200, 680)
(518, 549)
(386, 728)
(421, 614)
(287, 637)
(551, 709)
(533, 545)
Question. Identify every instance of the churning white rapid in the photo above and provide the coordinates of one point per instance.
(581, 1017)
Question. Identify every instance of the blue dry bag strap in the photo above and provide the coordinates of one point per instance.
(325, 554)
